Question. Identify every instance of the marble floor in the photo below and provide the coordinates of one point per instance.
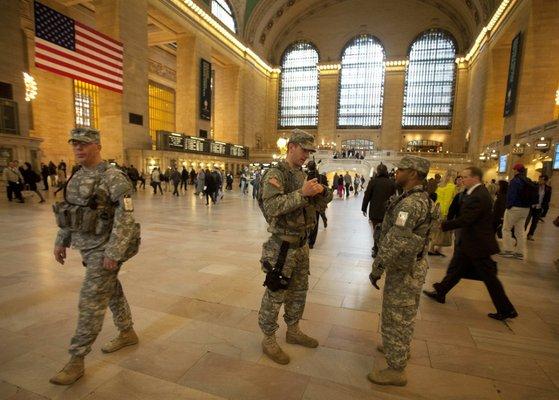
(195, 289)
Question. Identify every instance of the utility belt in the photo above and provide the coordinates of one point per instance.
(293, 242)
(83, 219)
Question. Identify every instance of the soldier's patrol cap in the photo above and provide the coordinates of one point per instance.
(302, 138)
(85, 135)
(419, 164)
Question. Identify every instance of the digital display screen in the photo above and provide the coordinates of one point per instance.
(191, 144)
(556, 158)
(217, 148)
(503, 163)
(176, 141)
(194, 144)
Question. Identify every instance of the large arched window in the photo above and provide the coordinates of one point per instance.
(430, 76)
(361, 84)
(222, 10)
(298, 100)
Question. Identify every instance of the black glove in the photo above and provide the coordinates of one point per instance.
(374, 281)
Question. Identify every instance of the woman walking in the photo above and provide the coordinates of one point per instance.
(156, 180)
(200, 182)
(31, 178)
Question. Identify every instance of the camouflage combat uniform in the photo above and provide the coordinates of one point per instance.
(401, 253)
(111, 238)
(291, 217)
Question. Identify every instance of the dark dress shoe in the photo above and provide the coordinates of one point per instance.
(502, 317)
(435, 296)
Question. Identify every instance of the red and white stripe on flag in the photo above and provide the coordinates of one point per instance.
(96, 58)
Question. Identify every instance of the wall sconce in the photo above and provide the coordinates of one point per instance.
(31, 89)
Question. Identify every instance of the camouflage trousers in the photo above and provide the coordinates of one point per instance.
(293, 298)
(100, 288)
(399, 308)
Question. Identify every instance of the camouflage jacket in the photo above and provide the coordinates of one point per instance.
(291, 213)
(404, 232)
(111, 186)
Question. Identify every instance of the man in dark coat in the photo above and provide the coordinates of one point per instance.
(378, 191)
(184, 178)
(45, 176)
(210, 186)
(538, 209)
(192, 176)
(475, 245)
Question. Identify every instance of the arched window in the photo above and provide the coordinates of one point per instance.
(430, 76)
(361, 84)
(222, 10)
(298, 100)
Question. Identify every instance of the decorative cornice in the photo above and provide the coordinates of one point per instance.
(162, 70)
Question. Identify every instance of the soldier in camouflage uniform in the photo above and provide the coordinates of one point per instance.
(96, 217)
(289, 203)
(404, 235)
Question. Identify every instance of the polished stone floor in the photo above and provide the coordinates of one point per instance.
(195, 289)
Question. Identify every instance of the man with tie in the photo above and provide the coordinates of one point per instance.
(474, 247)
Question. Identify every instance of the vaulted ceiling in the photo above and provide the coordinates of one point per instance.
(271, 25)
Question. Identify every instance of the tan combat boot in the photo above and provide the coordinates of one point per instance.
(271, 348)
(388, 376)
(124, 338)
(295, 336)
(71, 372)
(380, 348)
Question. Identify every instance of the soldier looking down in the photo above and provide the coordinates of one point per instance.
(402, 250)
(96, 217)
(289, 203)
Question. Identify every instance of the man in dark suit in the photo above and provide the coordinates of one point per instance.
(475, 245)
(539, 209)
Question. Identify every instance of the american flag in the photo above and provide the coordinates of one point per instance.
(69, 48)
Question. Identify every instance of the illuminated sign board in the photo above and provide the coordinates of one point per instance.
(556, 158)
(172, 141)
(503, 160)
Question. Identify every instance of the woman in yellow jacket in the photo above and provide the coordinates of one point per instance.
(445, 193)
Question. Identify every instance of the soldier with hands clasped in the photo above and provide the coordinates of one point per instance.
(402, 250)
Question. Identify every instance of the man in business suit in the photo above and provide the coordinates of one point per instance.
(537, 210)
(475, 245)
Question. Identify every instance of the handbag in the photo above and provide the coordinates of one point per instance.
(440, 238)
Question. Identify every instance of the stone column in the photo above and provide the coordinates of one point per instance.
(537, 83)
(457, 140)
(391, 131)
(269, 136)
(327, 105)
(13, 59)
(227, 94)
(190, 50)
(126, 21)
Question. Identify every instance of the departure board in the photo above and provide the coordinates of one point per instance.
(174, 141)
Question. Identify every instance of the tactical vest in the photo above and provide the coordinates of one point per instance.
(298, 217)
(432, 215)
(94, 215)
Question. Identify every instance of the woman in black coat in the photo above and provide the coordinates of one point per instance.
(210, 185)
(31, 178)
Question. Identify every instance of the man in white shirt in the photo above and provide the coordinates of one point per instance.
(14, 181)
